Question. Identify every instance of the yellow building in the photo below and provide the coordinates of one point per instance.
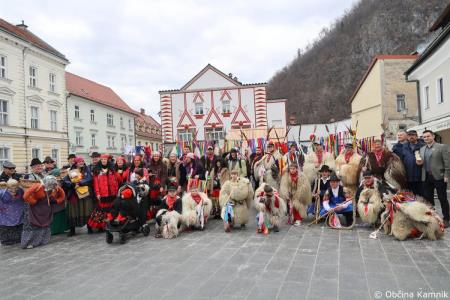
(383, 100)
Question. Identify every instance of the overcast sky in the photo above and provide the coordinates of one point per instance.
(139, 47)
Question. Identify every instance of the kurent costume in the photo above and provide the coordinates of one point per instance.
(296, 191)
(267, 169)
(168, 218)
(347, 167)
(41, 198)
(270, 209)
(235, 201)
(314, 160)
(237, 163)
(409, 216)
(11, 212)
(196, 207)
(369, 199)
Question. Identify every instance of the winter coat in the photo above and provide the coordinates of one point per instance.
(106, 184)
(406, 154)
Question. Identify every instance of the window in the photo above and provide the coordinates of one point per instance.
(123, 141)
(34, 117)
(4, 155)
(226, 109)
(55, 154)
(277, 123)
(214, 134)
(427, 97)
(93, 140)
(77, 112)
(2, 66)
(78, 139)
(53, 120)
(113, 138)
(111, 141)
(35, 153)
(3, 112)
(110, 120)
(129, 124)
(199, 108)
(92, 116)
(185, 135)
(121, 123)
(402, 126)
(401, 106)
(52, 81)
(440, 91)
(130, 140)
(33, 80)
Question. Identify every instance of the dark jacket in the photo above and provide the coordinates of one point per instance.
(4, 177)
(406, 154)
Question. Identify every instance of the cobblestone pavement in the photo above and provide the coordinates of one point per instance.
(297, 263)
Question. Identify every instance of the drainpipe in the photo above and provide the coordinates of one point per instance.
(25, 109)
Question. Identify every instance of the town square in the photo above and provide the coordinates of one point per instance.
(287, 150)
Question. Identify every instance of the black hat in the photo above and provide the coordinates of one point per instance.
(367, 173)
(71, 156)
(9, 165)
(48, 160)
(35, 161)
(412, 132)
(325, 168)
(95, 154)
(348, 145)
(172, 187)
(334, 177)
(268, 189)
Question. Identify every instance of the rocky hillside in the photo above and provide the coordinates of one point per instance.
(320, 80)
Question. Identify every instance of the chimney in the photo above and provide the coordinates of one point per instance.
(142, 111)
(22, 25)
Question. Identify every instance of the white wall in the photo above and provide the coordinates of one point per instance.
(276, 113)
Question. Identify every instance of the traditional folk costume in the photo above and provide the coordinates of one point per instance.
(236, 163)
(106, 187)
(270, 209)
(294, 158)
(369, 199)
(409, 216)
(218, 177)
(347, 167)
(80, 196)
(209, 161)
(137, 164)
(142, 189)
(235, 200)
(254, 158)
(335, 197)
(296, 190)
(318, 189)
(41, 198)
(314, 160)
(11, 212)
(386, 166)
(267, 169)
(121, 172)
(168, 218)
(176, 173)
(197, 207)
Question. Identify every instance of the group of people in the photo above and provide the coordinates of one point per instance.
(182, 192)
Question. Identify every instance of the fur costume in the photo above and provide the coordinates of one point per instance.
(192, 210)
(412, 219)
(267, 169)
(214, 189)
(312, 166)
(370, 204)
(390, 168)
(298, 192)
(240, 194)
(275, 210)
(347, 168)
(169, 223)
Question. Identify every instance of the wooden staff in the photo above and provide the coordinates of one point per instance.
(328, 212)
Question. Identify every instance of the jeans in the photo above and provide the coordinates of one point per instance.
(429, 186)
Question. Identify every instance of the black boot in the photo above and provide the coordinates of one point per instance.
(71, 232)
(89, 229)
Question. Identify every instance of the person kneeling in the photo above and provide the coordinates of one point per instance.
(168, 217)
(335, 200)
(196, 207)
(270, 207)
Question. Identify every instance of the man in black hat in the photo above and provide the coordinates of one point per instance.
(95, 158)
(9, 172)
(408, 157)
(369, 182)
(319, 188)
(36, 170)
(235, 162)
(294, 156)
(209, 160)
(50, 167)
(335, 198)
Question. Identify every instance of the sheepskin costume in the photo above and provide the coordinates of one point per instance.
(169, 223)
(347, 168)
(240, 194)
(267, 169)
(370, 204)
(298, 192)
(196, 204)
(413, 219)
(312, 165)
(275, 209)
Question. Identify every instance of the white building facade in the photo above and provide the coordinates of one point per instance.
(210, 105)
(431, 72)
(32, 98)
(98, 119)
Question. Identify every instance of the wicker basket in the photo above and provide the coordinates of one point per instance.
(26, 183)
